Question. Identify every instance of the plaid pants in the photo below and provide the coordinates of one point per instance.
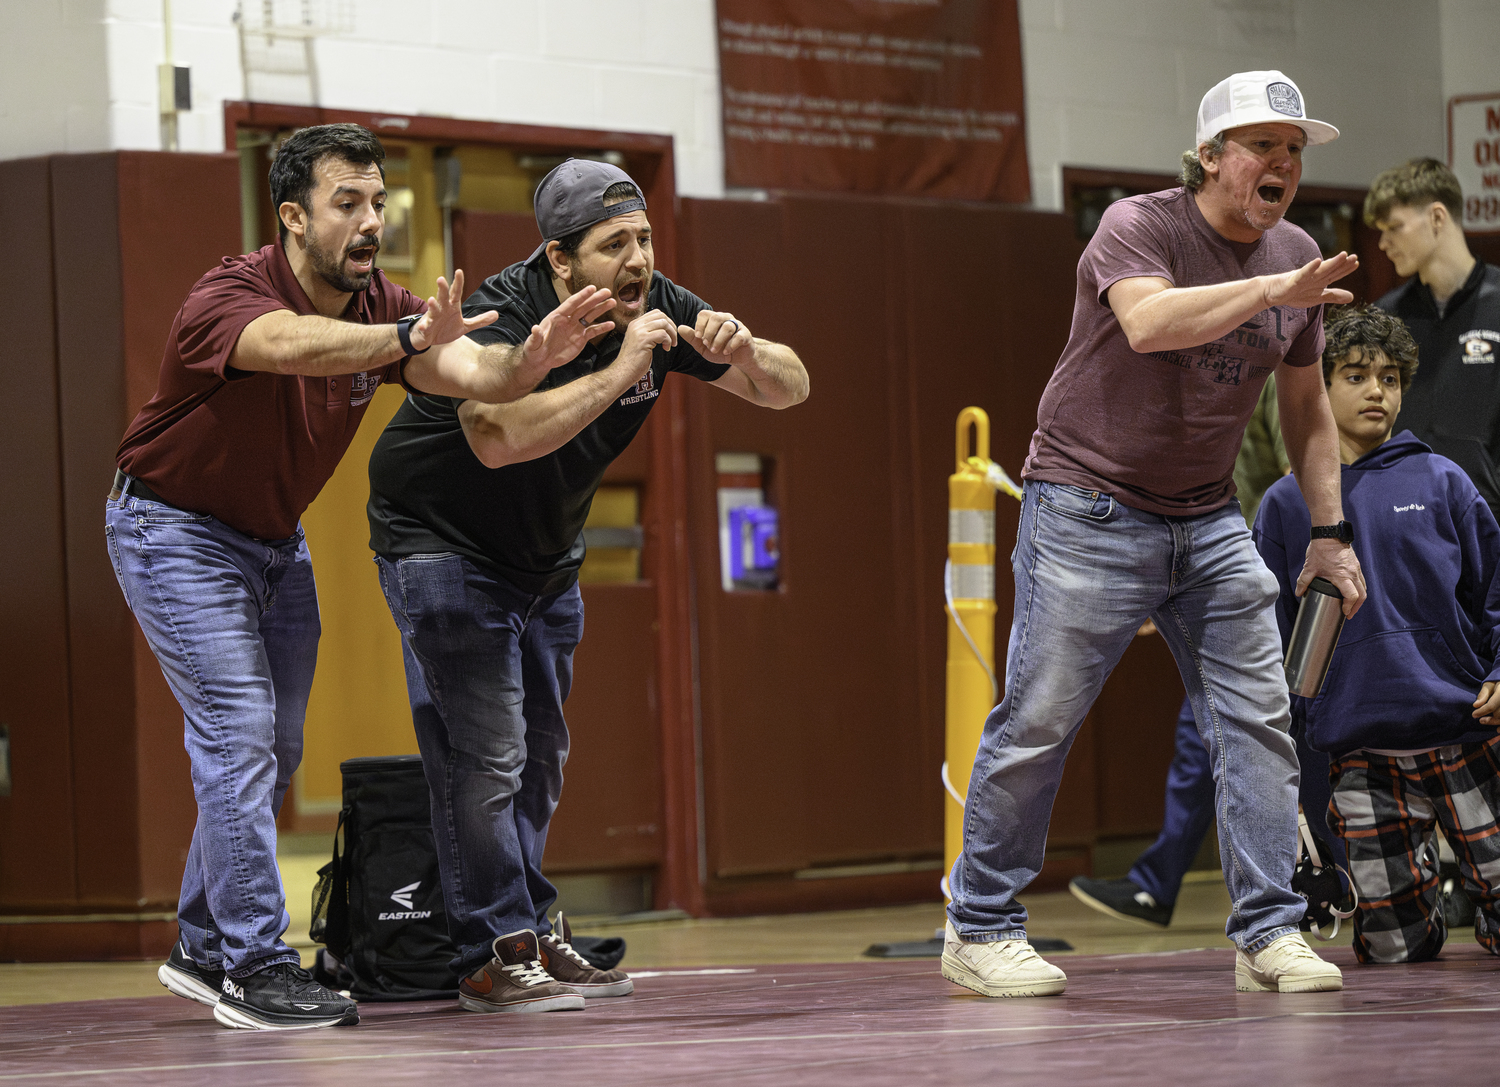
(1388, 810)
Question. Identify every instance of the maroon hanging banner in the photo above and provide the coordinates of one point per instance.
(914, 97)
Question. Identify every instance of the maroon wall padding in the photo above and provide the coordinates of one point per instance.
(132, 232)
(486, 242)
(823, 703)
(36, 820)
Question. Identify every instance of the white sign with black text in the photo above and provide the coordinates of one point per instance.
(1474, 158)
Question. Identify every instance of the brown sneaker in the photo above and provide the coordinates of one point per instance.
(573, 970)
(514, 981)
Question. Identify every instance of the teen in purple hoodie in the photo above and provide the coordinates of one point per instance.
(1411, 705)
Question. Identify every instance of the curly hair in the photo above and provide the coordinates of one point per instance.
(1193, 175)
(297, 158)
(1368, 328)
(1419, 183)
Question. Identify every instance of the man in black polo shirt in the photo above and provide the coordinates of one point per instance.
(1451, 303)
(476, 518)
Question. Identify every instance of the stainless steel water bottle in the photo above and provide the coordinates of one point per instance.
(1314, 634)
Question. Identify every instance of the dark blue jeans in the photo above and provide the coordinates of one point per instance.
(234, 624)
(1190, 809)
(488, 668)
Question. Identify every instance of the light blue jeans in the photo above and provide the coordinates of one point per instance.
(1088, 571)
(234, 624)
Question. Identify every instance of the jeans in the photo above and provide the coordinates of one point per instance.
(1088, 571)
(234, 624)
(488, 668)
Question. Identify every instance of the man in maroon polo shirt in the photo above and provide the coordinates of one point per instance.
(268, 370)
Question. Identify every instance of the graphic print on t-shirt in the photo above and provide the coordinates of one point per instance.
(644, 389)
(1232, 369)
(361, 388)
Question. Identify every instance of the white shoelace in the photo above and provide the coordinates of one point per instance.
(558, 943)
(528, 973)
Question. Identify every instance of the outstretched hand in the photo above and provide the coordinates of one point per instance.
(444, 320)
(561, 334)
(1308, 286)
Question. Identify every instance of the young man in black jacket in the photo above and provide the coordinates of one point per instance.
(1451, 303)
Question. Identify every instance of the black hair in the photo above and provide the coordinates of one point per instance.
(1369, 328)
(298, 156)
(617, 193)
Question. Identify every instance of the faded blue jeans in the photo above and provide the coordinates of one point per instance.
(1088, 571)
(234, 624)
(488, 668)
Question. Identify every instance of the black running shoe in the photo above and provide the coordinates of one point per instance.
(282, 997)
(1120, 898)
(185, 978)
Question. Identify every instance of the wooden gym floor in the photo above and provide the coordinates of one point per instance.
(789, 1000)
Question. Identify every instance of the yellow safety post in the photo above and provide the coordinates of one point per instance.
(969, 595)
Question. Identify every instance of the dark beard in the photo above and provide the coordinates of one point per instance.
(578, 281)
(330, 266)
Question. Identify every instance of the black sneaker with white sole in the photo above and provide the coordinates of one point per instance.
(1120, 898)
(281, 997)
(187, 979)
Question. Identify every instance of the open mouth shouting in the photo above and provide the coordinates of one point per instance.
(1272, 194)
(361, 256)
(631, 295)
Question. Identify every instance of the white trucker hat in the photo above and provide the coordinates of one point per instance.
(1254, 98)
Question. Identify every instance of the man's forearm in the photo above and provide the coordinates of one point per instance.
(497, 373)
(1312, 445)
(777, 376)
(541, 422)
(1180, 317)
(312, 346)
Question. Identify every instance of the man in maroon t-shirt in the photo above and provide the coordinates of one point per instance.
(1187, 300)
(268, 370)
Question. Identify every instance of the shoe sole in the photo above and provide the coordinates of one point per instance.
(1094, 903)
(1246, 982)
(960, 974)
(612, 988)
(180, 983)
(238, 1018)
(571, 1003)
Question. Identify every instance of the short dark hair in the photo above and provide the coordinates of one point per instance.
(1419, 183)
(298, 156)
(1369, 328)
(617, 193)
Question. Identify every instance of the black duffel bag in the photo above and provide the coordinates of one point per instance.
(378, 905)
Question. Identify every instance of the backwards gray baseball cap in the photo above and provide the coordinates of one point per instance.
(571, 197)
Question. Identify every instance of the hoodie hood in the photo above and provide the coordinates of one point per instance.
(1394, 449)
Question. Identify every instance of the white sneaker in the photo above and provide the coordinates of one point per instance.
(999, 968)
(1286, 965)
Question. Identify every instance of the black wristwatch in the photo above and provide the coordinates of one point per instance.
(1343, 532)
(403, 333)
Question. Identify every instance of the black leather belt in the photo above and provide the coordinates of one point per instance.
(124, 483)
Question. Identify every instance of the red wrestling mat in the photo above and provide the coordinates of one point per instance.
(1158, 1018)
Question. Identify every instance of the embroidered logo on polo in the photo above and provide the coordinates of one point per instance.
(1284, 99)
(1479, 346)
(644, 389)
(361, 388)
